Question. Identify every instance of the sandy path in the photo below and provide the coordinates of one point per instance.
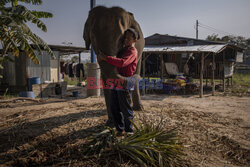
(227, 106)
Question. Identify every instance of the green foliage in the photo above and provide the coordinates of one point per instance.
(241, 84)
(241, 79)
(239, 90)
(70, 81)
(15, 35)
(149, 145)
(236, 40)
(5, 93)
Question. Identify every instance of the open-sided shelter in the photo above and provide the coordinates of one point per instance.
(193, 57)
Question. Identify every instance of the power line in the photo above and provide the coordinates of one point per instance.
(215, 29)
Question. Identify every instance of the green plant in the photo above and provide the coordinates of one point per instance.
(70, 81)
(5, 93)
(150, 145)
(15, 35)
(241, 79)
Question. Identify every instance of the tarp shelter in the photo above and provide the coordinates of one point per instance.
(202, 52)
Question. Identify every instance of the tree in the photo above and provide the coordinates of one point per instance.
(236, 40)
(213, 37)
(15, 35)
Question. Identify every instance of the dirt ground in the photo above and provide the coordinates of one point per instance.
(214, 130)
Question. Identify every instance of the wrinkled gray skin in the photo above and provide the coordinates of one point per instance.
(104, 30)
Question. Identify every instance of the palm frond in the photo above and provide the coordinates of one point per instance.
(33, 2)
(27, 15)
(150, 145)
(41, 14)
(15, 35)
(15, 2)
(9, 43)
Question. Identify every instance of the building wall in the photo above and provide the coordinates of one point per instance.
(54, 70)
(46, 70)
(8, 73)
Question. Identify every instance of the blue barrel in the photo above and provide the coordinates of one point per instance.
(32, 81)
(75, 93)
(27, 94)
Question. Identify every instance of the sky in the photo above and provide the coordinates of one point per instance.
(172, 17)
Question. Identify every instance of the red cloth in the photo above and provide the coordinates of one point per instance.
(125, 61)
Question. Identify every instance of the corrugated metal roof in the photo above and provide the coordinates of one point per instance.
(197, 48)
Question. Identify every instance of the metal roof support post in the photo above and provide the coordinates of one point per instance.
(93, 55)
(201, 75)
(93, 70)
(213, 68)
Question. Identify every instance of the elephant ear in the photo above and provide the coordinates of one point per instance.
(86, 33)
(135, 25)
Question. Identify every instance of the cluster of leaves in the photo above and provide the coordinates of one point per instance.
(149, 145)
(15, 35)
(236, 40)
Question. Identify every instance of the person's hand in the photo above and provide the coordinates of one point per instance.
(101, 57)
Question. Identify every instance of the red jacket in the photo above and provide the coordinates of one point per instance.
(125, 61)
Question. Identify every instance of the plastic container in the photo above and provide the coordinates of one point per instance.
(75, 94)
(32, 81)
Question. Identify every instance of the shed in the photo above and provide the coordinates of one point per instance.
(15, 74)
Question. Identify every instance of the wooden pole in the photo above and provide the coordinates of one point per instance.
(162, 66)
(79, 65)
(223, 77)
(197, 24)
(58, 69)
(201, 75)
(213, 68)
(143, 66)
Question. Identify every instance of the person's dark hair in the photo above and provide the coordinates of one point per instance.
(134, 32)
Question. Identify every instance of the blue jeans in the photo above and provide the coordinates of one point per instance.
(121, 109)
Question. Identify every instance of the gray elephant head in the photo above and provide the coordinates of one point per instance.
(104, 30)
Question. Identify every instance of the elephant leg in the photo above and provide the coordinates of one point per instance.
(107, 97)
(136, 97)
(107, 101)
(137, 105)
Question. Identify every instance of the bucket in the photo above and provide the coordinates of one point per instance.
(75, 93)
(29, 94)
(32, 81)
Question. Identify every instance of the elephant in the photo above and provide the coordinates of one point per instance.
(104, 30)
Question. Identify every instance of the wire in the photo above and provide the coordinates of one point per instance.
(214, 29)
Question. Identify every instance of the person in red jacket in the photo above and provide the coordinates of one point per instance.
(125, 63)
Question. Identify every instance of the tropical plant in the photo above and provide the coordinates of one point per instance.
(149, 145)
(15, 35)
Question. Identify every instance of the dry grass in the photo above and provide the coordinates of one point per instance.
(54, 133)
